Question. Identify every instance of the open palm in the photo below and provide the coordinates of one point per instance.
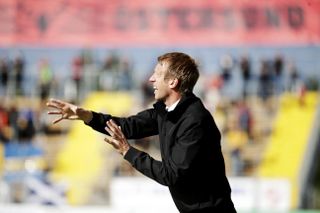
(66, 110)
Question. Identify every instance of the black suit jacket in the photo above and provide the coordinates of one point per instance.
(192, 164)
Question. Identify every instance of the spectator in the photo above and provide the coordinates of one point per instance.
(278, 65)
(124, 75)
(18, 72)
(212, 96)
(293, 80)
(236, 140)
(245, 118)
(45, 79)
(13, 115)
(265, 86)
(245, 68)
(26, 127)
(108, 78)
(90, 75)
(4, 75)
(226, 64)
(4, 125)
(77, 73)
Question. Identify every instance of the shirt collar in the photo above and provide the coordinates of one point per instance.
(173, 106)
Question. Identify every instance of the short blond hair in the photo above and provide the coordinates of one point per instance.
(182, 67)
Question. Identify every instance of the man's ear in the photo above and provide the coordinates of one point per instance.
(173, 83)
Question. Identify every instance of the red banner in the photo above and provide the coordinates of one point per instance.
(159, 22)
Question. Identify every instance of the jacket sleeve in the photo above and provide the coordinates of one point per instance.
(138, 126)
(179, 162)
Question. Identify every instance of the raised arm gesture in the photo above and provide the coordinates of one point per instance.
(68, 111)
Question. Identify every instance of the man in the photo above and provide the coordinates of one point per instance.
(192, 164)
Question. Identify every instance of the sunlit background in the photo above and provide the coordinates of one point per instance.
(260, 74)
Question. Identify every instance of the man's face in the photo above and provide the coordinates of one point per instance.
(161, 85)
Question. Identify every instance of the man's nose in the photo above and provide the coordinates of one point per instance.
(151, 79)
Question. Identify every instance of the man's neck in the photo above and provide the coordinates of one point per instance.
(173, 106)
(172, 99)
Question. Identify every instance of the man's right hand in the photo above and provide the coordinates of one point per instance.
(68, 111)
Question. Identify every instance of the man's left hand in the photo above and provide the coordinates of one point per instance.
(116, 138)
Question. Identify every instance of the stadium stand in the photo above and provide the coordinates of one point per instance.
(286, 149)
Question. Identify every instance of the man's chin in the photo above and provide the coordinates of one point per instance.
(158, 98)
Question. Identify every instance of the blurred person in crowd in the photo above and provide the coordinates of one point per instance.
(45, 78)
(212, 96)
(293, 77)
(4, 125)
(298, 86)
(278, 65)
(26, 126)
(245, 68)
(192, 164)
(77, 73)
(245, 119)
(4, 75)
(302, 94)
(265, 81)
(108, 78)
(124, 75)
(90, 75)
(236, 140)
(18, 72)
(13, 115)
(226, 64)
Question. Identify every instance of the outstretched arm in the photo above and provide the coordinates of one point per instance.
(68, 111)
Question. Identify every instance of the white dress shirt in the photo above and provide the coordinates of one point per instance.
(173, 106)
